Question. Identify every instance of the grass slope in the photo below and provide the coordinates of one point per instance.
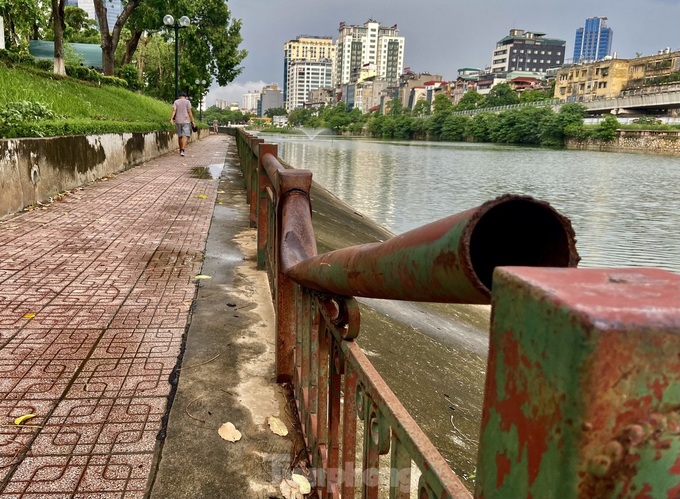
(72, 107)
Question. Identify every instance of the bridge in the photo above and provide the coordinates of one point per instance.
(661, 100)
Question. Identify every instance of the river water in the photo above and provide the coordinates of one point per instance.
(625, 209)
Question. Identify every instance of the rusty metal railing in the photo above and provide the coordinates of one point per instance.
(539, 302)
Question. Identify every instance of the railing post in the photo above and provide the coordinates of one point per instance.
(583, 385)
(262, 205)
(291, 183)
(253, 190)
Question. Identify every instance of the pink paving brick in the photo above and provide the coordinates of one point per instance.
(95, 297)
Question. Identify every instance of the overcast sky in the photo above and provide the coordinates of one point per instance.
(441, 35)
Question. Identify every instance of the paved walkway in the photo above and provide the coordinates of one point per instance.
(96, 291)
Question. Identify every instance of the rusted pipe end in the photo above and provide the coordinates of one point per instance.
(518, 231)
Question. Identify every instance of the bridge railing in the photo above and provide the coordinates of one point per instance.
(583, 385)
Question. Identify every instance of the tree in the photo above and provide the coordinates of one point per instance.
(421, 108)
(275, 111)
(24, 21)
(394, 108)
(535, 95)
(300, 116)
(442, 110)
(110, 38)
(568, 122)
(58, 26)
(441, 104)
(209, 47)
(606, 130)
(501, 95)
(470, 100)
(79, 27)
(454, 126)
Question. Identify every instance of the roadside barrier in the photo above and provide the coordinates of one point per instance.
(582, 391)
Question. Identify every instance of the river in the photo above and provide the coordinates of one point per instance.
(625, 209)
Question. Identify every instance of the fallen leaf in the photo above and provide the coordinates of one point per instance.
(201, 276)
(220, 192)
(29, 315)
(229, 432)
(303, 483)
(202, 196)
(23, 418)
(290, 490)
(277, 426)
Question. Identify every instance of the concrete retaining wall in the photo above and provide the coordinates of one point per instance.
(33, 170)
(640, 141)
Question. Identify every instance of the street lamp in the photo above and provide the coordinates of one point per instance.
(182, 22)
(200, 97)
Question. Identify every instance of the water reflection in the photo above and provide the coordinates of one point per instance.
(625, 208)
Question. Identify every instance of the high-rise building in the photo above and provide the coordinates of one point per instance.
(527, 51)
(303, 77)
(305, 50)
(593, 42)
(249, 101)
(113, 9)
(270, 97)
(365, 45)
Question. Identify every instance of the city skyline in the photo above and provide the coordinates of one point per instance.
(442, 37)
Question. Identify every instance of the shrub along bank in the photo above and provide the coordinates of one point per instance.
(35, 102)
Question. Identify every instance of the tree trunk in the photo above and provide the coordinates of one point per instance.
(58, 25)
(110, 39)
(131, 46)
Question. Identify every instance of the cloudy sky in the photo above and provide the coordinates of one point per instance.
(441, 35)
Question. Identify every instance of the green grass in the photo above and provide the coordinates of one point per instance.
(80, 108)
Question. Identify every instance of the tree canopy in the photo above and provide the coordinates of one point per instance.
(209, 49)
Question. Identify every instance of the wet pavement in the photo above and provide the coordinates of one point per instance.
(97, 291)
(133, 324)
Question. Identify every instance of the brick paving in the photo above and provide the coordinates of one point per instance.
(95, 295)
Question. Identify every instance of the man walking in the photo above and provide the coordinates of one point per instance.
(182, 118)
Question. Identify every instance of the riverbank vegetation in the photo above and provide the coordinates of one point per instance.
(37, 103)
(533, 124)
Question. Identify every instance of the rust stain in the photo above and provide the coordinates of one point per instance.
(533, 430)
(503, 465)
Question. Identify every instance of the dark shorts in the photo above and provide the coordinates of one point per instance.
(183, 129)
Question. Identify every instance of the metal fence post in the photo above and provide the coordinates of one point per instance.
(583, 385)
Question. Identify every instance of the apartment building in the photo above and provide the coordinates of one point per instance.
(365, 95)
(310, 55)
(610, 77)
(270, 97)
(593, 42)
(527, 51)
(653, 69)
(249, 101)
(598, 79)
(360, 46)
(304, 77)
(413, 87)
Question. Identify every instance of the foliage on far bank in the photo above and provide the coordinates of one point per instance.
(534, 125)
(35, 103)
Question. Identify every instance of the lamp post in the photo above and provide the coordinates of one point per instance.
(182, 22)
(201, 85)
